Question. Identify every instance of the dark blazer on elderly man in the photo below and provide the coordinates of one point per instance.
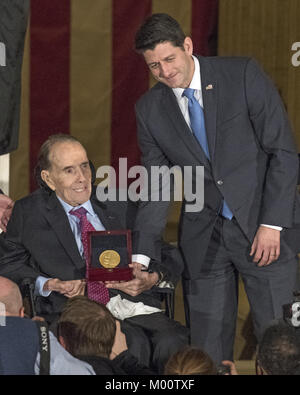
(39, 242)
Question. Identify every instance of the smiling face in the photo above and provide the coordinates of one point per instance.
(173, 66)
(70, 174)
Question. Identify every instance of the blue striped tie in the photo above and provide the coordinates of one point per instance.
(198, 127)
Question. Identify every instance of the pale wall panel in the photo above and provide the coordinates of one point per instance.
(19, 159)
(265, 29)
(4, 173)
(180, 10)
(91, 77)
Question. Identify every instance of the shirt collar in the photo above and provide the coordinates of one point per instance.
(67, 207)
(195, 83)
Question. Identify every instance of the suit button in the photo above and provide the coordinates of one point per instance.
(220, 182)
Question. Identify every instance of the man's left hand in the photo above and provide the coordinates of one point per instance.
(142, 281)
(265, 246)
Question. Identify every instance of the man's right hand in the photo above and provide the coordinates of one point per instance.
(141, 282)
(6, 206)
(68, 288)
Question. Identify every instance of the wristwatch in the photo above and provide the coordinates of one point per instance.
(160, 278)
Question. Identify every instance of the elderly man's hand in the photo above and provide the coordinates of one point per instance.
(6, 206)
(68, 288)
(142, 281)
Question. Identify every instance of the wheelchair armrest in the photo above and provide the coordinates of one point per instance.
(168, 297)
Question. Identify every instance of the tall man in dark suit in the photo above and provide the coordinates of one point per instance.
(43, 242)
(223, 114)
(13, 24)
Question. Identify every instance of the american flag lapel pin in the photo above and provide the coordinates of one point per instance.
(209, 87)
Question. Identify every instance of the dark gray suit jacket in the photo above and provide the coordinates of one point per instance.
(13, 24)
(40, 242)
(254, 163)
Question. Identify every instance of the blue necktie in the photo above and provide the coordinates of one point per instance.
(197, 119)
(198, 127)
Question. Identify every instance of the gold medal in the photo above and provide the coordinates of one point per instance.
(109, 259)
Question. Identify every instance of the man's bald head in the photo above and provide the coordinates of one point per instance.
(11, 297)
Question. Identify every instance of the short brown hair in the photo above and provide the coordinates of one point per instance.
(158, 28)
(189, 361)
(88, 328)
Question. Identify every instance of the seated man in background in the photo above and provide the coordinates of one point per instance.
(90, 332)
(279, 351)
(44, 242)
(19, 340)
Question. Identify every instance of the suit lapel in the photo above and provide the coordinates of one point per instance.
(59, 222)
(172, 110)
(209, 94)
(109, 220)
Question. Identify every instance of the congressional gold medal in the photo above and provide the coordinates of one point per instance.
(109, 259)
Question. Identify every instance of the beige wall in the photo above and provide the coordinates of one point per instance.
(266, 30)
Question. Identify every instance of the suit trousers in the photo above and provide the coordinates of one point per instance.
(163, 335)
(211, 300)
